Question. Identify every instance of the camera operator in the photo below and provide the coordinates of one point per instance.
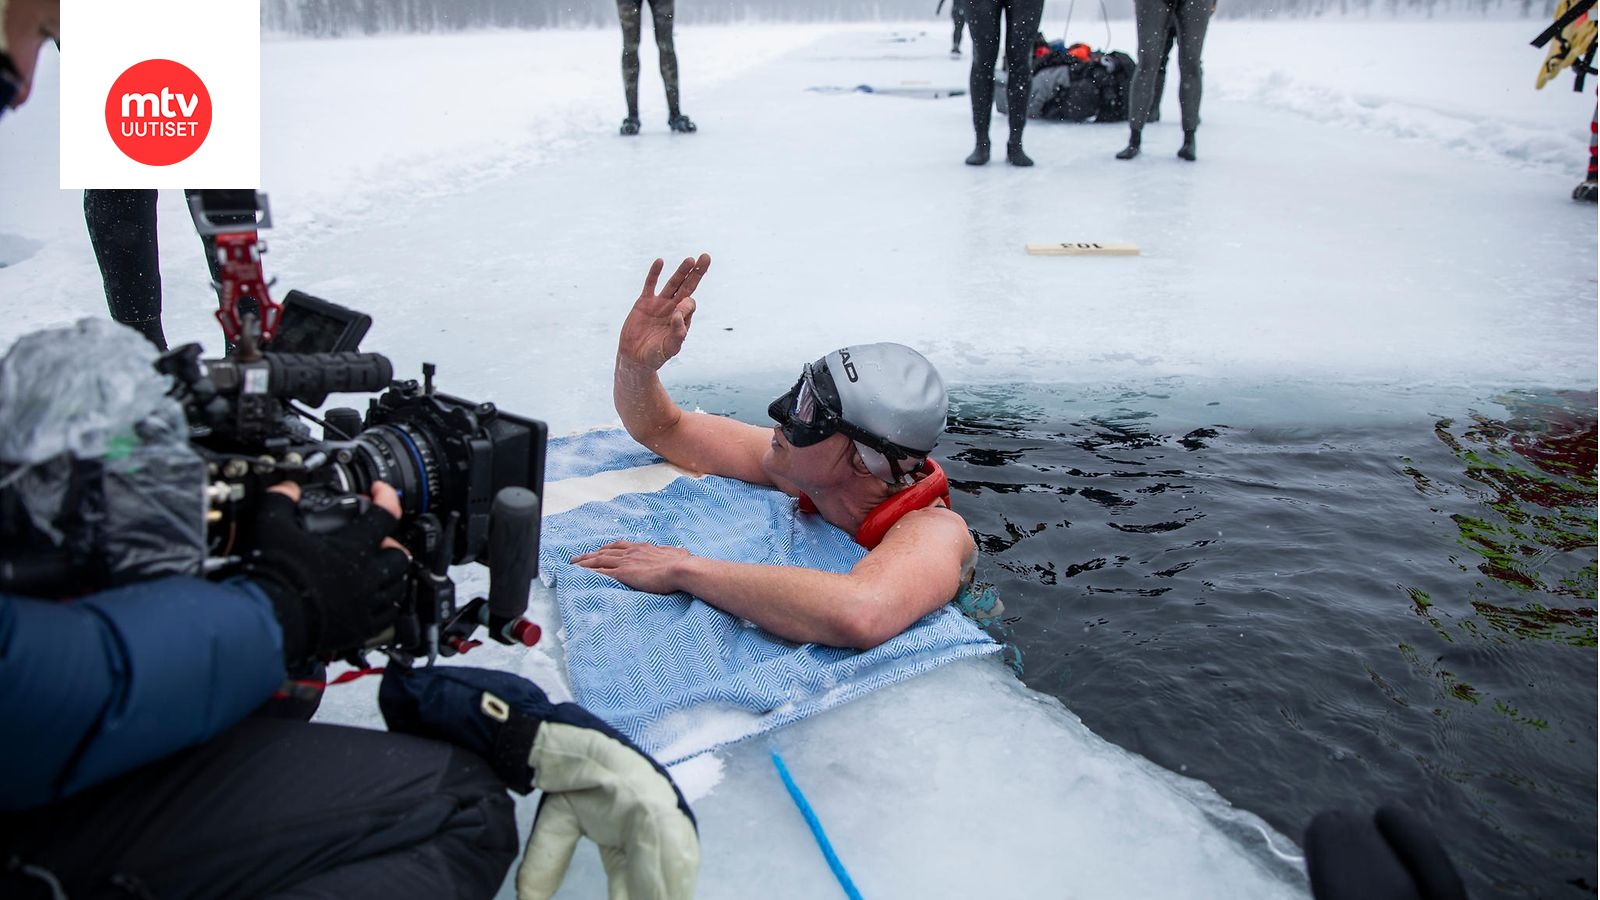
(140, 758)
(137, 759)
(133, 767)
(24, 27)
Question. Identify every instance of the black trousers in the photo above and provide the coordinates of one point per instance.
(1021, 25)
(122, 230)
(1154, 20)
(275, 808)
(1161, 75)
(631, 12)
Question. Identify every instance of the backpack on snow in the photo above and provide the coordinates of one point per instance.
(1076, 84)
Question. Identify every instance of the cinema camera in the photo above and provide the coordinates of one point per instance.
(469, 475)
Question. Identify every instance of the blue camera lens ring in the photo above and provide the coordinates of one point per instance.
(422, 469)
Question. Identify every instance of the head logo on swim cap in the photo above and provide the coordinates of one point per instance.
(849, 367)
(892, 392)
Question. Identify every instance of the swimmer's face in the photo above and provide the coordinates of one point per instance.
(819, 465)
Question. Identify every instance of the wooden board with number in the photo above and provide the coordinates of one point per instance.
(1110, 248)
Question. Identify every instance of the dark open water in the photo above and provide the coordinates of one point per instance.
(1309, 599)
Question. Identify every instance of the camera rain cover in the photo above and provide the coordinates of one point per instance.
(95, 458)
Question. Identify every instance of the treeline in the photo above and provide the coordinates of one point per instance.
(334, 18)
(339, 17)
(1406, 9)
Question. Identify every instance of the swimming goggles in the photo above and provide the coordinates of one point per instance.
(808, 414)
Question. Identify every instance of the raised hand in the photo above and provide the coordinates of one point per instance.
(655, 328)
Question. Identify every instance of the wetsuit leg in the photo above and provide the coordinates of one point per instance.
(983, 18)
(1193, 17)
(1152, 19)
(661, 13)
(630, 12)
(277, 809)
(958, 16)
(122, 230)
(1154, 114)
(1022, 25)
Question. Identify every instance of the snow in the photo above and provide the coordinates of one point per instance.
(1374, 202)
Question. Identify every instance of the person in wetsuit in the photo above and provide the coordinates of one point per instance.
(1021, 25)
(631, 12)
(958, 17)
(851, 443)
(1161, 76)
(122, 230)
(1154, 19)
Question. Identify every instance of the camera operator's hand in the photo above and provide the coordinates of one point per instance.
(658, 323)
(333, 590)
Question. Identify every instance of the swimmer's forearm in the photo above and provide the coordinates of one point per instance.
(644, 405)
(798, 604)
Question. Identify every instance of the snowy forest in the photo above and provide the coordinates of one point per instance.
(334, 18)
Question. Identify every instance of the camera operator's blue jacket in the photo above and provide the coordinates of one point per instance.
(93, 688)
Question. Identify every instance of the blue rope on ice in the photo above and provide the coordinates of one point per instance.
(816, 828)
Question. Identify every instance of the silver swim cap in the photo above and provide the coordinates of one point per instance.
(889, 399)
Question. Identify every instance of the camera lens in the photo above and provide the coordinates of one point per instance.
(404, 457)
(447, 458)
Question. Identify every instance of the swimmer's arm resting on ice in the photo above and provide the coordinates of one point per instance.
(917, 568)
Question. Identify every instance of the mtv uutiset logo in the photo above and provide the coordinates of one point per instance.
(158, 112)
(161, 94)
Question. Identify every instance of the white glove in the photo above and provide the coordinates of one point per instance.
(596, 783)
(605, 789)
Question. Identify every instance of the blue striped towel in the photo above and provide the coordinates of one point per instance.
(676, 675)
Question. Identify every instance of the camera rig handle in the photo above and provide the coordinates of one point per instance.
(513, 561)
(238, 249)
(513, 554)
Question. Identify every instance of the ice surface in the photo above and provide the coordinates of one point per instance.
(1345, 220)
(962, 783)
(1373, 202)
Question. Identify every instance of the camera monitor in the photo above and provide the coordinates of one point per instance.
(313, 325)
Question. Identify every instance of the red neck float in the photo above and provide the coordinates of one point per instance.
(932, 488)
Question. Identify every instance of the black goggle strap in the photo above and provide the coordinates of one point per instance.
(913, 465)
(894, 453)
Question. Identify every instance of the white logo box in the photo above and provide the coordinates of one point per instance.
(219, 39)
